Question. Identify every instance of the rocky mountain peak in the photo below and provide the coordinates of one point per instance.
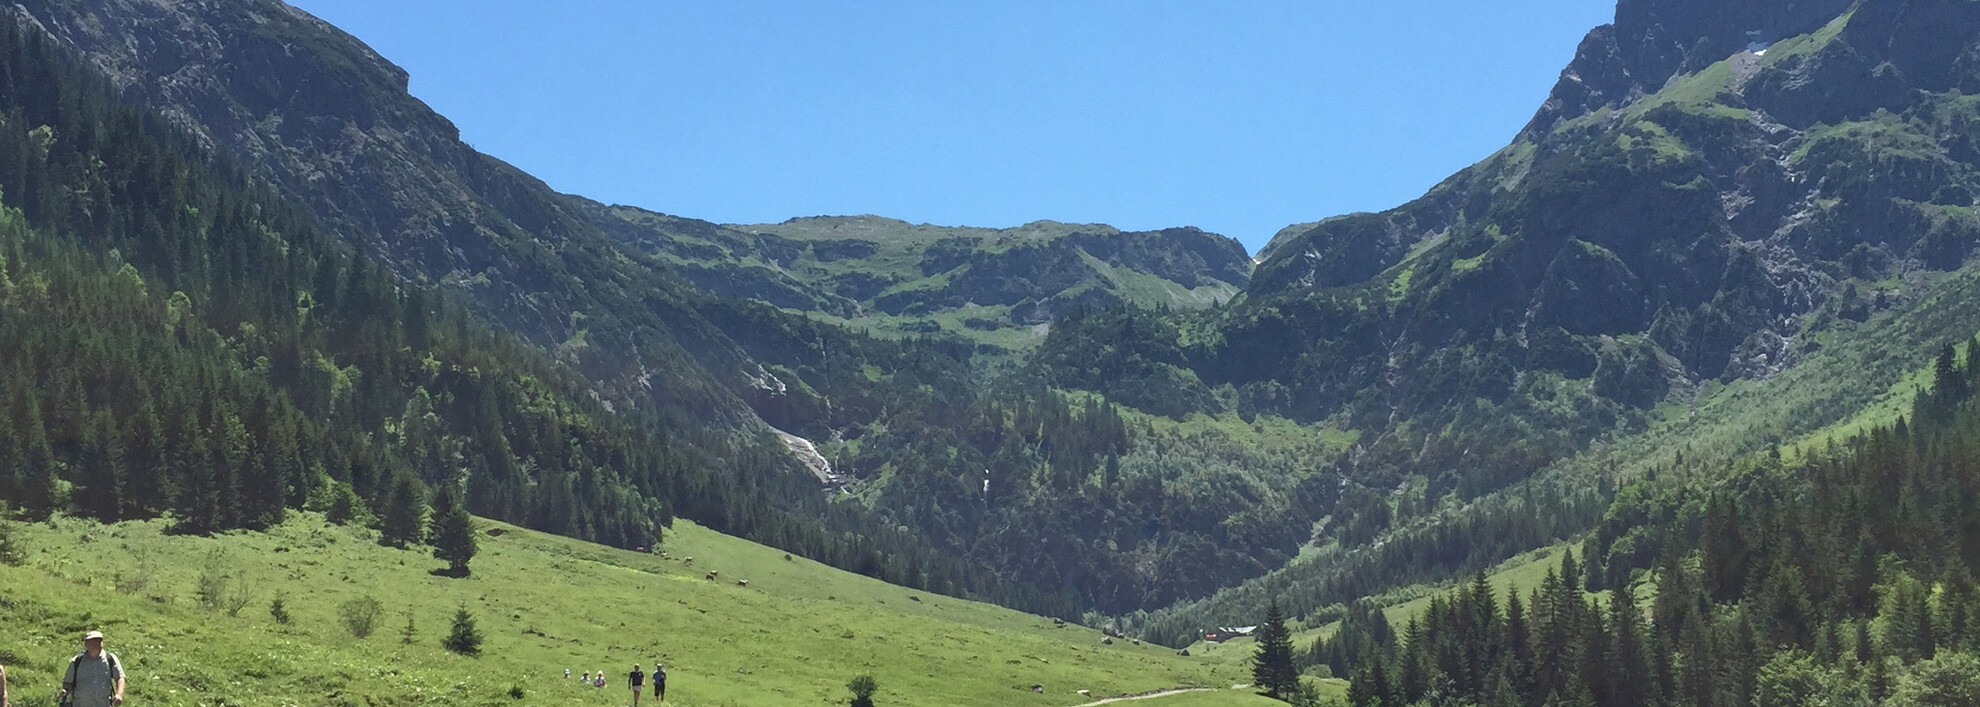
(1654, 41)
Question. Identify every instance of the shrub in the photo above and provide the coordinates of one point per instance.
(277, 611)
(211, 589)
(11, 552)
(359, 615)
(862, 688)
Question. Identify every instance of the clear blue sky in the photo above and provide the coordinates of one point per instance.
(1236, 117)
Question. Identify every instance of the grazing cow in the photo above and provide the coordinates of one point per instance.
(742, 582)
(711, 575)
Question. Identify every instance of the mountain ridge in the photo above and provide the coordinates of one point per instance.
(992, 286)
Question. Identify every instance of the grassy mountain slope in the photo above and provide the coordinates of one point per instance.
(544, 603)
(991, 286)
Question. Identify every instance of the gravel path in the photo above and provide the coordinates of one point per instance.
(1151, 695)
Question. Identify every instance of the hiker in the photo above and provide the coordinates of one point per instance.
(3, 687)
(567, 676)
(638, 680)
(94, 677)
(585, 679)
(659, 683)
(598, 679)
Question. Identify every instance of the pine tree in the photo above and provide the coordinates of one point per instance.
(1272, 666)
(101, 472)
(463, 638)
(399, 522)
(451, 532)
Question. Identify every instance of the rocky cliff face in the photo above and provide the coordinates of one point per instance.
(1652, 42)
(1711, 187)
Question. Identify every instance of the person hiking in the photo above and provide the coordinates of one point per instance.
(3, 687)
(638, 680)
(94, 677)
(659, 683)
(598, 679)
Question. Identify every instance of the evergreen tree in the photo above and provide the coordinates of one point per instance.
(399, 521)
(1272, 666)
(464, 638)
(451, 532)
(100, 477)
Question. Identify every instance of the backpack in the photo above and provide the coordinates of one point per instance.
(69, 676)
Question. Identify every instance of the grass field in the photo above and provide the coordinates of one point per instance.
(794, 636)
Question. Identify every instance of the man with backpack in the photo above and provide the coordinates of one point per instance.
(659, 683)
(94, 677)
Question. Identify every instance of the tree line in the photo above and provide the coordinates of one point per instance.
(1843, 577)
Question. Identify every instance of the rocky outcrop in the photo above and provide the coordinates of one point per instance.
(1654, 41)
(1712, 213)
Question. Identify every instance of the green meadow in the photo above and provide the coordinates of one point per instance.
(793, 636)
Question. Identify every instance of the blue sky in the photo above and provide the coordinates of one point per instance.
(1235, 117)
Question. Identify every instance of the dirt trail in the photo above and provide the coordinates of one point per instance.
(1147, 696)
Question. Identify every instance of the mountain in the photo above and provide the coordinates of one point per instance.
(994, 286)
(329, 123)
(1730, 226)
(187, 338)
(1667, 219)
(662, 391)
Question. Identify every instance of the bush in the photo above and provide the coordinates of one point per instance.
(862, 688)
(360, 615)
(277, 611)
(211, 590)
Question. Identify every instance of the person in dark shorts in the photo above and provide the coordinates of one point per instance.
(638, 680)
(659, 683)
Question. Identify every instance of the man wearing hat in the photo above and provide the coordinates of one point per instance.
(94, 678)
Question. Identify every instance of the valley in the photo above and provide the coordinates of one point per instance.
(1706, 325)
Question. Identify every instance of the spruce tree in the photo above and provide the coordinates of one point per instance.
(451, 532)
(398, 523)
(101, 472)
(1272, 666)
(464, 638)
